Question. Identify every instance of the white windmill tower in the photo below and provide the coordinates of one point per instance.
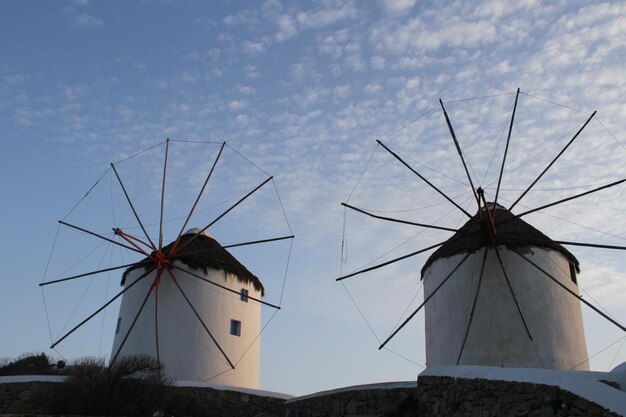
(190, 303)
(188, 307)
(517, 316)
(498, 292)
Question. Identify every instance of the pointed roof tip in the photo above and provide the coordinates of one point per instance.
(197, 230)
(512, 232)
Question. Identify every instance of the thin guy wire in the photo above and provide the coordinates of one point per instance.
(537, 155)
(219, 374)
(431, 169)
(493, 155)
(282, 206)
(404, 242)
(54, 243)
(415, 209)
(256, 338)
(362, 172)
(409, 123)
(138, 153)
(597, 353)
(86, 194)
(566, 275)
(395, 326)
(611, 134)
(361, 312)
(174, 187)
(282, 290)
(208, 142)
(569, 221)
(555, 103)
(85, 292)
(249, 161)
(106, 297)
(478, 98)
(45, 306)
(404, 357)
(556, 189)
(80, 261)
(617, 353)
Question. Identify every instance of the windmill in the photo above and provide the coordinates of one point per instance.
(498, 292)
(186, 300)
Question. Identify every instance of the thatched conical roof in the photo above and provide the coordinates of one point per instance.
(203, 252)
(512, 232)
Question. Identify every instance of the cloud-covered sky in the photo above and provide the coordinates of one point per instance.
(304, 90)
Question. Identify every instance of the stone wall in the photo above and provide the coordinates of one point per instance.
(35, 398)
(447, 396)
(432, 396)
(374, 400)
(220, 403)
(443, 396)
(27, 397)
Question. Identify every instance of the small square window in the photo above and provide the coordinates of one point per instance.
(244, 295)
(117, 327)
(235, 327)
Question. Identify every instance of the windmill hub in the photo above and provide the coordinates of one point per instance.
(157, 259)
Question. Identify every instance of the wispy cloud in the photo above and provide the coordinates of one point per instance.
(286, 28)
(328, 14)
(399, 6)
(82, 20)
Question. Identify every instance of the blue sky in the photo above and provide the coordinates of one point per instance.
(303, 89)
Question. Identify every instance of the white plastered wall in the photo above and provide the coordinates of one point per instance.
(185, 348)
(497, 336)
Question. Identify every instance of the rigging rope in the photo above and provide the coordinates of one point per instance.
(569, 221)
(555, 103)
(249, 161)
(82, 297)
(207, 142)
(611, 134)
(86, 194)
(282, 290)
(361, 312)
(362, 172)
(576, 187)
(617, 353)
(597, 353)
(567, 274)
(139, 153)
(537, 155)
(431, 169)
(282, 207)
(493, 155)
(478, 98)
(106, 297)
(409, 123)
(404, 357)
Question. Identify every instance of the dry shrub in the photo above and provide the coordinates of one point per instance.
(133, 386)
